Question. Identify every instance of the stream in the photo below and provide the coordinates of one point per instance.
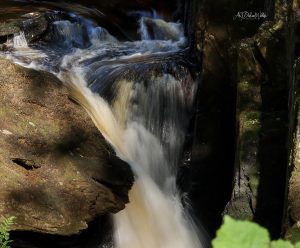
(140, 94)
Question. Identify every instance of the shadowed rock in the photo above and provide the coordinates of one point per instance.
(32, 24)
(57, 172)
(261, 152)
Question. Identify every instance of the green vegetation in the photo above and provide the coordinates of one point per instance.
(246, 234)
(4, 232)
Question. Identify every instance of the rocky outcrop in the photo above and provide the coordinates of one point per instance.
(57, 172)
(261, 153)
(215, 126)
(249, 102)
(243, 96)
(292, 227)
(293, 218)
(33, 25)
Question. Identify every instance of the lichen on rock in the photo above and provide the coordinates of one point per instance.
(57, 172)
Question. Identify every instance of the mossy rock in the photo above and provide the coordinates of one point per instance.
(57, 171)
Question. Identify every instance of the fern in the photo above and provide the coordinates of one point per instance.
(4, 232)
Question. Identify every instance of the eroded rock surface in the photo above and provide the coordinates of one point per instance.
(243, 96)
(292, 226)
(32, 24)
(57, 173)
(261, 153)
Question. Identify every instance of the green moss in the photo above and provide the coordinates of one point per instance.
(293, 234)
(248, 96)
(254, 179)
(48, 130)
(9, 175)
(7, 112)
(253, 115)
(240, 208)
(250, 121)
(70, 171)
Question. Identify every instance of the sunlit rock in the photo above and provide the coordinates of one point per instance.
(57, 172)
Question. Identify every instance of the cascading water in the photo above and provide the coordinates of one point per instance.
(19, 41)
(139, 95)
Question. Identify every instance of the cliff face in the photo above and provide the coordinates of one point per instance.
(244, 125)
(262, 116)
(293, 205)
(57, 172)
(257, 62)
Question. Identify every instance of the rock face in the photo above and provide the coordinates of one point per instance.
(243, 96)
(57, 173)
(262, 118)
(292, 227)
(214, 157)
(249, 103)
(33, 25)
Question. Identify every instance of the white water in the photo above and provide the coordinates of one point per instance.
(144, 121)
(154, 217)
(19, 41)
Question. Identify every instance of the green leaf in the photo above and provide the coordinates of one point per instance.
(237, 234)
(281, 244)
(297, 245)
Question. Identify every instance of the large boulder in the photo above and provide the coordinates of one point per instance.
(57, 172)
(32, 24)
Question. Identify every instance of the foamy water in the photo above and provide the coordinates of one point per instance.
(132, 95)
(19, 41)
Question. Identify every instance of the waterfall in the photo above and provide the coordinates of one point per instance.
(139, 94)
(19, 40)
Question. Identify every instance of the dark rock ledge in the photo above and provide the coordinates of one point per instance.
(32, 24)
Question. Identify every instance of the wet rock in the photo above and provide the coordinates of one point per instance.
(292, 218)
(57, 172)
(9, 28)
(261, 153)
(33, 25)
(160, 30)
(243, 203)
(218, 39)
(293, 215)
